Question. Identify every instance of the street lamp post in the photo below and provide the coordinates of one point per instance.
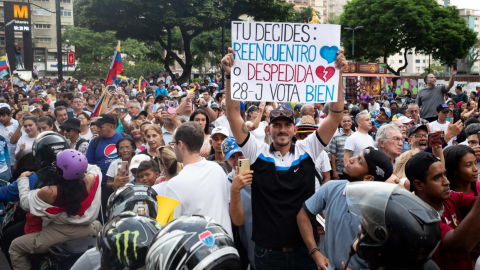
(353, 40)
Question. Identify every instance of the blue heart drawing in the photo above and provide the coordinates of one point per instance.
(329, 53)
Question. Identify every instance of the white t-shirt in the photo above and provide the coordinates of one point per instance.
(435, 125)
(374, 107)
(357, 142)
(168, 80)
(259, 132)
(7, 133)
(322, 164)
(113, 170)
(87, 136)
(222, 121)
(160, 188)
(28, 144)
(202, 189)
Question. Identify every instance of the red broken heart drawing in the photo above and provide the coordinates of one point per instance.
(320, 71)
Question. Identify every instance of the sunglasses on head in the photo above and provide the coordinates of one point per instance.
(277, 113)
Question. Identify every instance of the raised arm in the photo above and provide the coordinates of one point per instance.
(335, 115)
(239, 130)
(452, 79)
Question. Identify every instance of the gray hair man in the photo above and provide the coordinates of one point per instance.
(389, 140)
(360, 139)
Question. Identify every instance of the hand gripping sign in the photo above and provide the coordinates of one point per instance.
(285, 62)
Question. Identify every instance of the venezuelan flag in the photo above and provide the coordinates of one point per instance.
(143, 84)
(3, 63)
(98, 106)
(115, 67)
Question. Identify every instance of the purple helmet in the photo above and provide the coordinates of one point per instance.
(73, 164)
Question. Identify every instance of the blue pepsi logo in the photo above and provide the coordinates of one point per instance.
(111, 151)
(207, 238)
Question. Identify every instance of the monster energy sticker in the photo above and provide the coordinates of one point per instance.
(126, 235)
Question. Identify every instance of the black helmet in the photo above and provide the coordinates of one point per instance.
(46, 146)
(354, 111)
(192, 242)
(123, 242)
(401, 230)
(138, 198)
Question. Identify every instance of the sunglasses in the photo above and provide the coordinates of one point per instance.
(66, 129)
(277, 113)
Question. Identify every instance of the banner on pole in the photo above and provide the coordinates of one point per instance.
(285, 62)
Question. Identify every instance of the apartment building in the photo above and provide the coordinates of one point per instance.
(472, 17)
(44, 35)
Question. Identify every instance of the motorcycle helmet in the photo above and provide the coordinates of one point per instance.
(354, 111)
(192, 242)
(138, 198)
(401, 230)
(73, 164)
(46, 146)
(123, 242)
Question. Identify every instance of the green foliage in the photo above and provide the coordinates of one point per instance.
(163, 21)
(207, 47)
(304, 15)
(391, 26)
(90, 70)
(472, 57)
(435, 68)
(142, 68)
(198, 80)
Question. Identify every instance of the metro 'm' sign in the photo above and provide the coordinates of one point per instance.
(20, 11)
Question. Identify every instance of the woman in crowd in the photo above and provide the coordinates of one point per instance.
(138, 136)
(169, 168)
(97, 92)
(24, 144)
(85, 131)
(363, 106)
(150, 99)
(266, 116)
(154, 137)
(462, 170)
(399, 170)
(150, 114)
(126, 150)
(201, 118)
(254, 125)
(68, 206)
(469, 110)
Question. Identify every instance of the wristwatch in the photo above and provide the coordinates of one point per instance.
(227, 76)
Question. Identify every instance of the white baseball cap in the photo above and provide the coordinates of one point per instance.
(221, 130)
(137, 159)
(5, 105)
(33, 108)
(405, 120)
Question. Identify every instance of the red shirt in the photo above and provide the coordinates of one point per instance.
(455, 209)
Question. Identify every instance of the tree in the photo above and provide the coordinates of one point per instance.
(472, 57)
(207, 47)
(304, 15)
(435, 68)
(95, 50)
(157, 20)
(394, 26)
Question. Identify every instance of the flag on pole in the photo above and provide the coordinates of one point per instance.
(3, 73)
(115, 67)
(3, 63)
(143, 84)
(98, 106)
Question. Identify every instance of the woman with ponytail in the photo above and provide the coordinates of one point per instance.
(169, 167)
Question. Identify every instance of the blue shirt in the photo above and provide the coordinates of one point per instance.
(105, 153)
(341, 225)
(4, 155)
(10, 193)
(161, 91)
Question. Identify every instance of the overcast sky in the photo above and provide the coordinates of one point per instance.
(473, 4)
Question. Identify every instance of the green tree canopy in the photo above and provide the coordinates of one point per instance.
(159, 20)
(390, 26)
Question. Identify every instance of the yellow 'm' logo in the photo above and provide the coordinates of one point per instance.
(20, 11)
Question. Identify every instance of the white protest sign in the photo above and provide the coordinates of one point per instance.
(285, 62)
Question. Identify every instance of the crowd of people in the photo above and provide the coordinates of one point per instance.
(260, 185)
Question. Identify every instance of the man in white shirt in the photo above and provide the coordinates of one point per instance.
(360, 139)
(202, 187)
(168, 79)
(373, 106)
(442, 123)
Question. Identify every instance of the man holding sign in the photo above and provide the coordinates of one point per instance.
(284, 173)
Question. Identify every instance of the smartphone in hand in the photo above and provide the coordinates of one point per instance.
(123, 168)
(243, 165)
(121, 110)
(434, 139)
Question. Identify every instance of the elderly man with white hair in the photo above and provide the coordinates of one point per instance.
(414, 112)
(389, 140)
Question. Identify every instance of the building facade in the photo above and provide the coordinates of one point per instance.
(44, 35)
(472, 17)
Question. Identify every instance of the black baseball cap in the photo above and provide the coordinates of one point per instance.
(297, 107)
(251, 109)
(417, 165)
(104, 118)
(442, 108)
(72, 123)
(379, 164)
(415, 128)
(281, 111)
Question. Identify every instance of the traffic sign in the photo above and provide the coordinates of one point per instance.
(71, 59)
